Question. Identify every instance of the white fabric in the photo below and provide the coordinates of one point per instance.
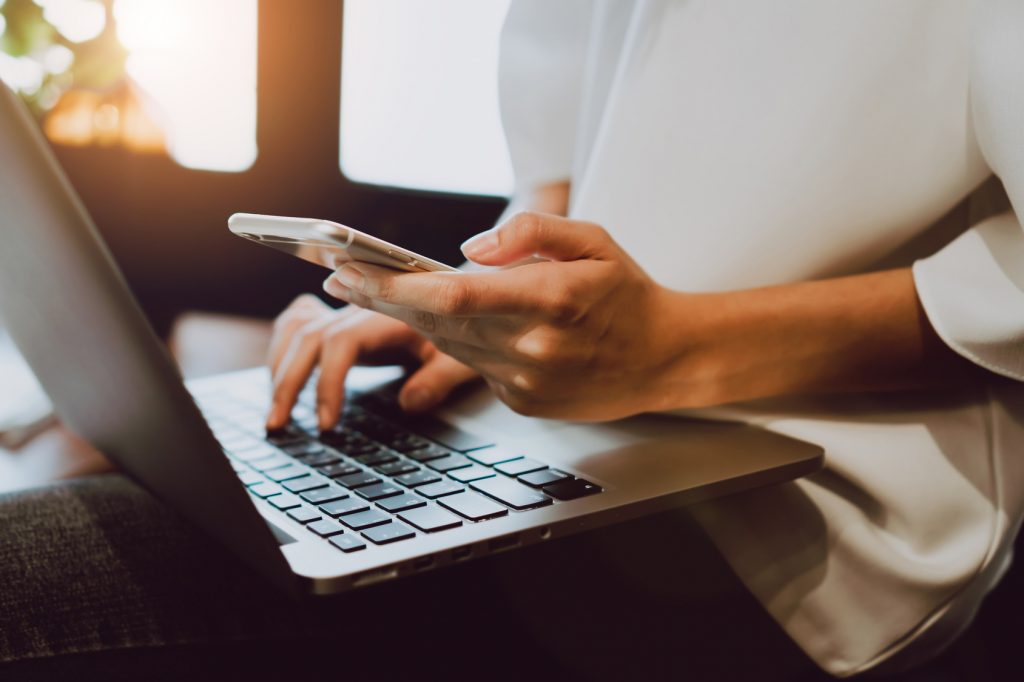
(730, 144)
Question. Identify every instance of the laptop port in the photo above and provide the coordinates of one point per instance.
(501, 544)
(371, 577)
(545, 533)
(460, 553)
(423, 563)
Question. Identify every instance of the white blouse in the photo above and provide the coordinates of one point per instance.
(730, 144)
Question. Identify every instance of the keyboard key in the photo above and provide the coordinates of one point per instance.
(571, 490)
(322, 495)
(358, 480)
(379, 491)
(339, 469)
(284, 501)
(539, 479)
(304, 514)
(250, 478)
(303, 449)
(256, 451)
(264, 489)
(418, 478)
(435, 490)
(349, 505)
(430, 519)
(365, 519)
(492, 456)
(287, 436)
(286, 473)
(401, 502)
(397, 468)
(473, 473)
(341, 436)
(428, 453)
(379, 457)
(325, 528)
(348, 542)
(320, 459)
(512, 493)
(301, 485)
(474, 507)
(450, 463)
(272, 462)
(356, 449)
(410, 443)
(389, 532)
(520, 466)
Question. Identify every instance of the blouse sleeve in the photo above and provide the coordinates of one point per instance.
(973, 290)
(543, 50)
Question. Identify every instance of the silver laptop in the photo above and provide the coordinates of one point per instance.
(379, 497)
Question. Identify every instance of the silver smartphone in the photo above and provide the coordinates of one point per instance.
(328, 244)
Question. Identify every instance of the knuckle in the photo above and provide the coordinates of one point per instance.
(425, 321)
(529, 224)
(455, 297)
(598, 232)
(564, 306)
(384, 288)
(309, 333)
(539, 348)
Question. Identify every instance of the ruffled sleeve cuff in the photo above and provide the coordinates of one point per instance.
(973, 294)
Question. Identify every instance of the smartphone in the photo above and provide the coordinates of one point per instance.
(328, 244)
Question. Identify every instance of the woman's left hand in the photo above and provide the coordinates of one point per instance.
(581, 334)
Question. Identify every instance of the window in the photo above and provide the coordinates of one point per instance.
(419, 95)
(150, 75)
(196, 59)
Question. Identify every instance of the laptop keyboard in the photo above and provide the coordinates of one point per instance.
(380, 476)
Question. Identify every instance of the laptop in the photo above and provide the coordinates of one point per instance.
(383, 495)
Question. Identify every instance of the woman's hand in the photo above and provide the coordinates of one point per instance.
(581, 334)
(309, 333)
(585, 334)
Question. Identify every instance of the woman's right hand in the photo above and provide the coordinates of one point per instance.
(309, 333)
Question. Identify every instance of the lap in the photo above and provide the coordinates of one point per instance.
(96, 574)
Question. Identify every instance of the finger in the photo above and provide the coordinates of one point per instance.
(343, 345)
(299, 312)
(539, 234)
(294, 371)
(433, 381)
(450, 295)
(337, 358)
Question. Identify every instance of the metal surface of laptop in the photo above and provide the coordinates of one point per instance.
(111, 380)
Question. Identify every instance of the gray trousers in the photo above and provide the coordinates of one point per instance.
(98, 580)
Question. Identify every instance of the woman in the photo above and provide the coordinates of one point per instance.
(754, 195)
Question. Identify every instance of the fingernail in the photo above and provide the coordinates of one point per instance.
(335, 288)
(416, 399)
(480, 245)
(275, 419)
(323, 415)
(350, 277)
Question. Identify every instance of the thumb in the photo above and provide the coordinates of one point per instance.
(537, 234)
(433, 381)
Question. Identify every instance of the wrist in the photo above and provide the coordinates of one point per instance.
(686, 351)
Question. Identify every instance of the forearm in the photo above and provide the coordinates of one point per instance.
(860, 333)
